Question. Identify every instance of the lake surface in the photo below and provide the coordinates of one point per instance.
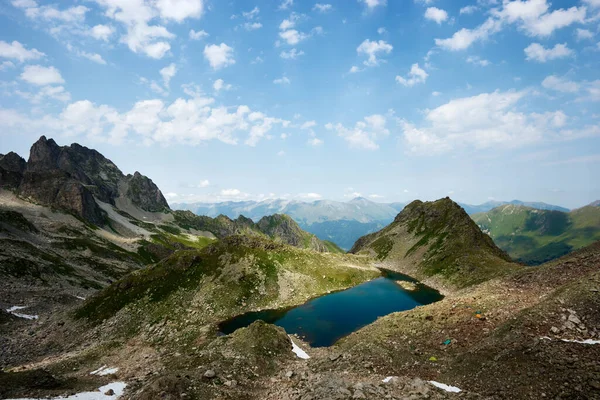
(324, 320)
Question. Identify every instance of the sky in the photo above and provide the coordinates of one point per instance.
(247, 100)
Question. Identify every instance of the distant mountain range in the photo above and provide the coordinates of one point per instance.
(535, 236)
(340, 222)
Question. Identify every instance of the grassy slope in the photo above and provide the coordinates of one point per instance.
(436, 239)
(535, 236)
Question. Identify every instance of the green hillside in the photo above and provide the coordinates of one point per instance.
(535, 236)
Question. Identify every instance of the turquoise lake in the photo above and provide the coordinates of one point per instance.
(324, 320)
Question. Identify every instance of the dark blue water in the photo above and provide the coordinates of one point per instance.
(324, 320)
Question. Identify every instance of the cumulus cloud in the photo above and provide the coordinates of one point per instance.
(179, 10)
(219, 56)
(16, 51)
(415, 75)
(310, 196)
(291, 55)
(583, 34)
(482, 121)
(40, 76)
(285, 4)
(436, 14)
(167, 73)
(372, 49)
(531, 16)
(372, 4)
(189, 121)
(201, 34)
(308, 125)
(559, 84)
(478, 61)
(468, 10)
(364, 134)
(537, 52)
(322, 8)
(220, 84)
(102, 32)
(58, 93)
(315, 142)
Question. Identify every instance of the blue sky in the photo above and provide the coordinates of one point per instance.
(393, 100)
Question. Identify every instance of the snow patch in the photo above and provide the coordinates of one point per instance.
(16, 314)
(117, 388)
(103, 370)
(447, 388)
(298, 351)
(586, 341)
(387, 379)
(80, 298)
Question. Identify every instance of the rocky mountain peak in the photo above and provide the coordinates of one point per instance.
(145, 194)
(12, 167)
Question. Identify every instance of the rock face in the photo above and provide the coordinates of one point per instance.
(145, 194)
(12, 167)
(73, 177)
(436, 239)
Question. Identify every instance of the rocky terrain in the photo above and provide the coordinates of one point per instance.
(127, 296)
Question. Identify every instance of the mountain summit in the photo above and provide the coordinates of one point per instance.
(436, 240)
(73, 177)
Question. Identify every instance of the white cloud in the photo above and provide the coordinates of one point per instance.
(6, 65)
(41, 76)
(371, 4)
(372, 49)
(315, 142)
(252, 26)
(251, 14)
(102, 32)
(95, 57)
(532, 16)
(381, 30)
(285, 4)
(560, 84)
(322, 8)
(478, 61)
(292, 36)
(310, 196)
(415, 75)
(167, 73)
(537, 52)
(482, 121)
(291, 55)
(468, 10)
(583, 34)
(17, 51)
(179, 10)
(436, 94)
(284, 80)
(376, 196)
(32, 10)
(364, 134)
(592, 3)
(281, 153)
(46, 92)
(220, 84)
(201, 34)
(436, 14)
(464, 38)
(188, 121)
(219, 56)
(308, 125)
(354, 69)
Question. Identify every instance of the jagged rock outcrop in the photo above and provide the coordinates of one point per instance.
(436, 239)
(145, 194)
(12, 167)
(74, 177)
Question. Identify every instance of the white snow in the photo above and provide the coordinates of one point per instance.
(117, 387)
(80, 298)
(103, 370)
(387, 379)
(447, 388)
(16, 314)
(298, 351)
(586, 341)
